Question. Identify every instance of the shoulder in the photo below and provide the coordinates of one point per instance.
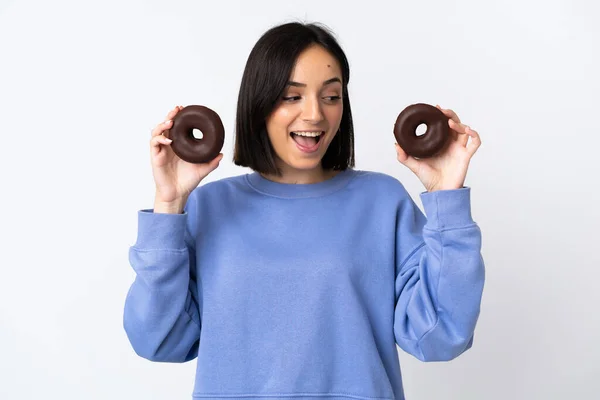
(218, 190)
(219, 186)
(379, 182)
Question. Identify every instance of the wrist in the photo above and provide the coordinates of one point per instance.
(169, 207)
(445, 186)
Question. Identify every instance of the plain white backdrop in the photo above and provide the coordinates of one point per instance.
(82, 83)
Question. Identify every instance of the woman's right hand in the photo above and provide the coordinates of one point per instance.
(175, 178)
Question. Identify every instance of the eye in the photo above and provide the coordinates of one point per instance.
(291, 98)
(332, 99)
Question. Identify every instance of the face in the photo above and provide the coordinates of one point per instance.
(308, 115)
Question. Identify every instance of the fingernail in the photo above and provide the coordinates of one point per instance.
(168, 140)
(167, 121)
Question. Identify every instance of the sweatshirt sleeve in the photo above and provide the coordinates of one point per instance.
(439, 275)
(161, 315)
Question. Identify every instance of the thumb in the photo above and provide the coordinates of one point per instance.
(206, 168)
(218, 159)
(409, 161)
(214, 163)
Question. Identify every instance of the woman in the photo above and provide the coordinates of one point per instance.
(299, 278)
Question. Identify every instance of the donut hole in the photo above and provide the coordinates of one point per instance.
(197, 134)
(421, 129)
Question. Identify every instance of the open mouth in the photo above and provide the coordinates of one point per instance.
(307, 139)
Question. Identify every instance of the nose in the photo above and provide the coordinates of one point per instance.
(311, 111)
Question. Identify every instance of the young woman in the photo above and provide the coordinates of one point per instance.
(299, 278)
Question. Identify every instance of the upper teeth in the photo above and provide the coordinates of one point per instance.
(310, 134)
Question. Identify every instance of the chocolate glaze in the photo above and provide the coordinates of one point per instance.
(435, 137)
(185, 145)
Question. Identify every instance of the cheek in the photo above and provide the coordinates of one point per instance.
(334, 114)
(281, 118)
(277, 125)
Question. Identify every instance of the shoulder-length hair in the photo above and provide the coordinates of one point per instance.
(265, 77)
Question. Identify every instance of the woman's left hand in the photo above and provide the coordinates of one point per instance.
(448, 169)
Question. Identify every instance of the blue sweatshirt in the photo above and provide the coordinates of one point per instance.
(285, 291)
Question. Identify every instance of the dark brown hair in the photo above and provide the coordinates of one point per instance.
(265, 77)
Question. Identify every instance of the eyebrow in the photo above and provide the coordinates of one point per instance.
(327, 82)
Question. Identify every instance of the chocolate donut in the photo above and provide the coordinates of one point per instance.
(185, 145)
(435, 137)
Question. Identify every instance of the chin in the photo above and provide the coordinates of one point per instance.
(306, 164)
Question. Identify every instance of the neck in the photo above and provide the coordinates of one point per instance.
(298, 176)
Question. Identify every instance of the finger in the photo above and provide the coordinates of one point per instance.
(209, 166)
(160, 128)
(159, 140)
(173, 112)
(460, 130)
(214, 163)
(157, 143)
(218, 158)
(409, 161)
(449, 113)
(457, 126)
(475, 141)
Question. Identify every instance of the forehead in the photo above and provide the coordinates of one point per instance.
(315, 64)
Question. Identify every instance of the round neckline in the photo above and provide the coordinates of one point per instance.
(301, 190)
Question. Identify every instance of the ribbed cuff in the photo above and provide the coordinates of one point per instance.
(447, 208)
(160, 230)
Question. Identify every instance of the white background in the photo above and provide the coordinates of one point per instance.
(82, 83)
